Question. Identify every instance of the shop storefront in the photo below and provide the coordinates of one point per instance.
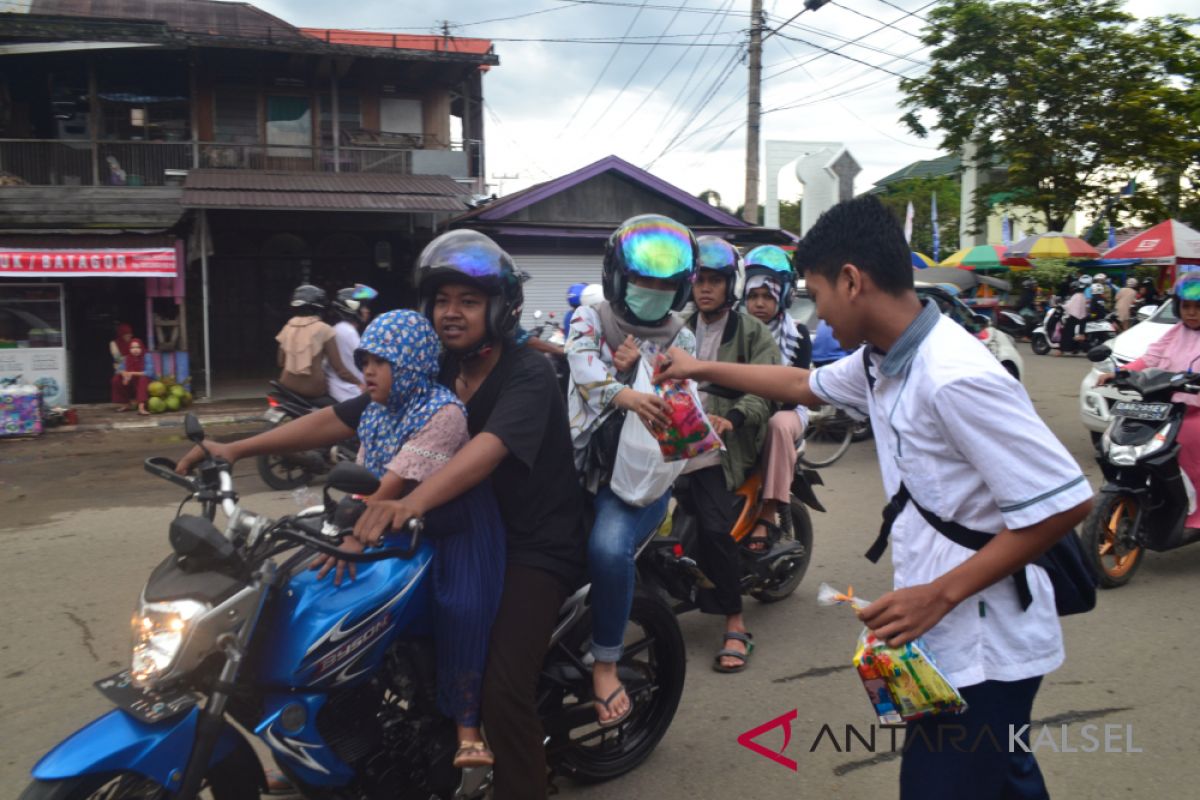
(59, 308)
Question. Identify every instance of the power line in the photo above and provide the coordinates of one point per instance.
(655, 7)
(908, 13)
(635, 73)
(671, 71)
(716, 87)
(600, 76)
(854, 42)
(876, 19)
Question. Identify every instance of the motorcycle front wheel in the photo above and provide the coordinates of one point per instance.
(652, 668)
(223, 784)
(1040, 344)
(1108, 540)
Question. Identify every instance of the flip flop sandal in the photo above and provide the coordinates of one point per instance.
(745, 638)
(763, 544)
(473, 754)
(611, 723)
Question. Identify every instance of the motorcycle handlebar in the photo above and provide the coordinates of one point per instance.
(300, 532)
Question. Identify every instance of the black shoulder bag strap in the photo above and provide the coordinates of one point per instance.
(965, 537)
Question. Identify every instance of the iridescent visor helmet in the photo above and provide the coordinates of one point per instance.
(718, 255)
(649, 246)
(470, 258)
(1186, 288)
(772, 262)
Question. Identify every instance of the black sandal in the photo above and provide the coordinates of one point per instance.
(763, 544)
(617, 720)
(746, 639)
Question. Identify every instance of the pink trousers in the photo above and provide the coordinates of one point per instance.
(779, 455)
(1189, 457)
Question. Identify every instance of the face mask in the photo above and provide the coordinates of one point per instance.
(648, 305)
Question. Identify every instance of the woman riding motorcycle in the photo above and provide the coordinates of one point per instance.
(1179, 351)
(648, 268)
(306, 343)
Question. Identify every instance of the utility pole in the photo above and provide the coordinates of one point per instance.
(754, 113)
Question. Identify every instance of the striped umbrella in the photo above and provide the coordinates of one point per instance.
(921, 261)
(1052, 245)
(981, 258)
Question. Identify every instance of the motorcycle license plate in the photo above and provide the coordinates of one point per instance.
(274, 416)
(1150, 412)
(144, 704)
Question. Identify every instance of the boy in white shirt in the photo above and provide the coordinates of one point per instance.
(941, 406)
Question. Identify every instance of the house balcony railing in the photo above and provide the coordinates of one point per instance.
(57, 162)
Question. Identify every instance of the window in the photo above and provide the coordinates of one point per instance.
(235, 116)
(289, 126)
(349, 116)
(398, 115)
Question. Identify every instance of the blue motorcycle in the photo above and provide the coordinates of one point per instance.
(339, 683)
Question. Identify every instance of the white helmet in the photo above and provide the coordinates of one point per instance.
(1086, 280)
(1100, 277)
(593, 294)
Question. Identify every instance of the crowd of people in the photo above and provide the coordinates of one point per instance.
(466, 428)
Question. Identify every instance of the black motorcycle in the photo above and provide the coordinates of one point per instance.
(1146, 497)
(293, 470)
(669, 561)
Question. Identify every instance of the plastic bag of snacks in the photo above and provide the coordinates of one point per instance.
(690, 433)
(903, 683)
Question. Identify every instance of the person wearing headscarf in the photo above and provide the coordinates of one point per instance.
(769, 279)
(1124, 302)
(131, 382)
(1178, 350)
(412, 427)
(119, 347)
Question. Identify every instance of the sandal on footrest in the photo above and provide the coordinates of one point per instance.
(473, 754)
(763, 544)
(745, 638)
(617, 720)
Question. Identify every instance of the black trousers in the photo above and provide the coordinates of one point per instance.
(1071, 327)
(520, 637)
(717, 552)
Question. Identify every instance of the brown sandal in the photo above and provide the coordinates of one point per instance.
(473, 754)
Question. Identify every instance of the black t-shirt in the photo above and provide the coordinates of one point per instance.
(536, 485)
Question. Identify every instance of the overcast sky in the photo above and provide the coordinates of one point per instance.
(659, 103)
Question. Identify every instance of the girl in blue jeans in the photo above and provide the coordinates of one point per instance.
(648, 268)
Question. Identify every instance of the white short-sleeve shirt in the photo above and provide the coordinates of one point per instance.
(962, 435)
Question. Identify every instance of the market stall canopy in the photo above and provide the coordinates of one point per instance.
(921, 261)
(1050, 245)
(1166, 242)
(981, 257)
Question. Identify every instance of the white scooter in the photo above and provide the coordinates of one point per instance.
(1048, 335)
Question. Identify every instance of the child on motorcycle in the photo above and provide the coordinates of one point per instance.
(1179, 351)
(769, 282)
(648, 268)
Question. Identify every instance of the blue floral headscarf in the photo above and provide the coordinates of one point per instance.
(406, 340)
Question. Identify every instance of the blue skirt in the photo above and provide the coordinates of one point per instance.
(468, 576)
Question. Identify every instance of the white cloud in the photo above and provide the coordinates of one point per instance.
(539, 85)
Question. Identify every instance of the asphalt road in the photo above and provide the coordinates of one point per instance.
(81, 526)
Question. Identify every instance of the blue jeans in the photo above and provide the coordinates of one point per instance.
(618, 530)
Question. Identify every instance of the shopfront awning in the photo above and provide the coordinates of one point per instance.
(148, 262)
(323, 191)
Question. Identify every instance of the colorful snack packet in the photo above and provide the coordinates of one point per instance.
(903, 683)
(690, 433)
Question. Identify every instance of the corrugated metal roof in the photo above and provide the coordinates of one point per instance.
(336, 182)
(401, 41)
(237, 20)
(319, 201)
(319, 191)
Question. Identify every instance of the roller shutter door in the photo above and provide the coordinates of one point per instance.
(550, 277)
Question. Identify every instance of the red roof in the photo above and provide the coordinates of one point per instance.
(1165, 241)
(401, 41)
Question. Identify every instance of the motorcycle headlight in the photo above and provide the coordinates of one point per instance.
(1126, 455)
(159, 631)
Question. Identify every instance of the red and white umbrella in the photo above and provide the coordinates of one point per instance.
(1166, 242)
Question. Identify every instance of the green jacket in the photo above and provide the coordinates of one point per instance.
(744, 341)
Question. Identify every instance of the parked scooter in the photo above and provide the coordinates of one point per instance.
(293, 470)
(669, 562)
(1047, 336)
(337, 682)
(1017, 324)
(1146, 497)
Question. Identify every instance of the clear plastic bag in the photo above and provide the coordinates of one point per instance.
(641, 473)
(690, 433)
(903, 683)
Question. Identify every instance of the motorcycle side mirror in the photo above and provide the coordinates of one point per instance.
(1146, 312)
(199, 542)
(537, 314)
(352, 479)
(192, 428)
(1100, 352)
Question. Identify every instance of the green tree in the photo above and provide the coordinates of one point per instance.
(920, 192)
(1068, 97)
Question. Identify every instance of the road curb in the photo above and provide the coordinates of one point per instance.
(142, 424)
